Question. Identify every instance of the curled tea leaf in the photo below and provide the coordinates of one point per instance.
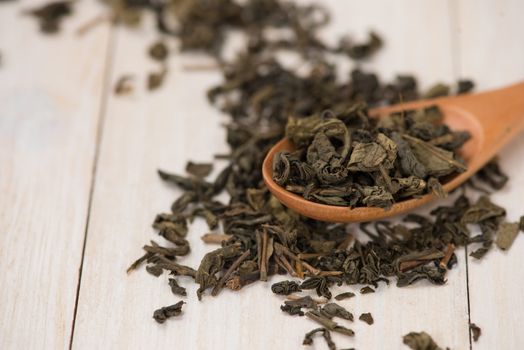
(345, 295)
(285, 287)
(158, 51)
(475, 331)
(51, 15)
(331, 310)
(162, 314)
(308, 338)
(175, 288)
(366, 317)
(200, 170)
(211, 264)
(420, 341)
(506, 235)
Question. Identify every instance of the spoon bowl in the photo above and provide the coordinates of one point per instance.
(493, 118)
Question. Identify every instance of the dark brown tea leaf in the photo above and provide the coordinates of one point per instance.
(420, 341)
(199, 169)
(475, 331)
(162, 314)
(367, 290)
(366, 317)
(331, 310)
(308, 338)
(50, 16)
(285, 287)
(345, 295)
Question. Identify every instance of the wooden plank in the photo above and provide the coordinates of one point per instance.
(491, 51)
(146, 131)
(50, 96)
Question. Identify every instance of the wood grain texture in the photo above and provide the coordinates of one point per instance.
(50, 93)
(146, 131)
(491, 46)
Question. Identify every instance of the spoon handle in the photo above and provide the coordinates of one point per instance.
(499, 113)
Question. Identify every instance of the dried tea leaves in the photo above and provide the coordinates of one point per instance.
(475, 331)
(175, 288)
(156, 79)
(50, 16)
(159, 51)
(294, 307)
(162, 314)
(331, 310)
(343, 158)
(506, 234)
(308, 338)
(366, 317)
(350, 159)
(345, 295)
(285, 287)
(367, 290)
(324, 321)
(420, 341)
(124, 85)
(200, 170)
(213, 263)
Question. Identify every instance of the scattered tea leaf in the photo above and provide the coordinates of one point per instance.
(475, 331)
(367, 290)
(50, 15)
(156, 79)
(308, 338)
(159, 51)
(175, 288)
(345, 295)
(366, 317)
(162, 314)
(124, 85)
(465, 86)
(506, 235)
(200, 170)
(331, 310)
(285, 287)
(420, 341)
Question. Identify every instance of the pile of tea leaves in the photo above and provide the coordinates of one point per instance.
(346, 158)
(327, 118)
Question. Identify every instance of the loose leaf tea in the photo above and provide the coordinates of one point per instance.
(475, 331)
(367, 290)
(331, 310)
(50, 16)
(345, 295)
(347, 158)
(308, 338)
(326, 322)
(199, 169)
(156, 79)
(158, 51)
(294, 307)
(366, 317)
(162, 314)
(175, 288)
(124, 85)
(506, 235)
(420, 341)
(343, 157)
(285, 287)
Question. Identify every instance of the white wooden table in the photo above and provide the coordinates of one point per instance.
(78, 187)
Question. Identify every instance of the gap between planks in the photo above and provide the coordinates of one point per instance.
(454, 13)
(104, 96)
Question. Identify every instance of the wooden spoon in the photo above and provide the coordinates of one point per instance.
(493, 118)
